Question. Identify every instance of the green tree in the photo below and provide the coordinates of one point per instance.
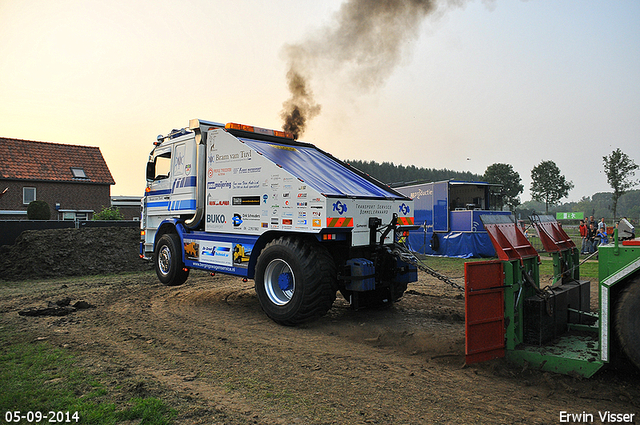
(548, 185)
(619, 169)
(110, 213)
(38, 210)
(504, 175)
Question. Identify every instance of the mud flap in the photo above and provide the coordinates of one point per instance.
(484, 311)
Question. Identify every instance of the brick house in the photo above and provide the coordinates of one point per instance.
(74, 180)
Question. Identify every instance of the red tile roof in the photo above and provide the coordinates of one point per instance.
(29, 160)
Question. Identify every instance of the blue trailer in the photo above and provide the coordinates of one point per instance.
(448, 213)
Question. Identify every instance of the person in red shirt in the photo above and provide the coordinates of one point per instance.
(583, 234)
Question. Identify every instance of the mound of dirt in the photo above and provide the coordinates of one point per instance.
(72, 252)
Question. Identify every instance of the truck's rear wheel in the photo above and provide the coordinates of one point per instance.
(168, 260)
(627, 321)
(295, 280)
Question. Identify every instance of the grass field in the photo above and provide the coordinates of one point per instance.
(41, 384)
(454, 267)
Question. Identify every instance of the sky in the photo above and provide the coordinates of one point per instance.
(475, 82)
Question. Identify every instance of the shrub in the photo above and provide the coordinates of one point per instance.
(110, 213)
(38, 210)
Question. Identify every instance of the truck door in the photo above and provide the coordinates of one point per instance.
(159, 175)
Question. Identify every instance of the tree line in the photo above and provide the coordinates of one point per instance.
(399, 175)
(549, 186)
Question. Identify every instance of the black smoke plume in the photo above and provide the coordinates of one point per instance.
(361, 48)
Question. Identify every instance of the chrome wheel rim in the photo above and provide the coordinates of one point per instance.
(279, 282)
(164, 260)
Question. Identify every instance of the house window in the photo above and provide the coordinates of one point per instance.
(28, 195)
(78, 173)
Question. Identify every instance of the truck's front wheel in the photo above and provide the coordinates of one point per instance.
(295, 280)
(627, 324)
(168, 260)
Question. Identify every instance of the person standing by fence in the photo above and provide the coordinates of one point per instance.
(591, 238)
(583, 234)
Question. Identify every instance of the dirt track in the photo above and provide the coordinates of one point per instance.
(209, 351)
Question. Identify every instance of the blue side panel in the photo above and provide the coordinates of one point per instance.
(216, 252)
(441, 207)
(422, 196)
(319, 170)
(461, 221)
(453, 244)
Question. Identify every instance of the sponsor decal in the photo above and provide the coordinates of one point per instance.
(187, 169)
(420, 193)
(245, 200)
(219, 171)
(302, 204)
(216, 253)
(301, 222)
(191, 249)
(317, 222)
(216, 218)
(374, 209)
(219, 185)
(233, 156)
(264, 198)
(287, 222)
(237, 220)
(250, 217)
(218, 203)
(302, 196)
(246, 184)
(404, 208)
(339, 207)
(251, 170)
(264, 225)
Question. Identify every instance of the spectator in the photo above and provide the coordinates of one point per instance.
(583, 234)
(601, 237)
(591, 238)
(602, 226)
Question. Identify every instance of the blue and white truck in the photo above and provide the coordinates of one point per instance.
(255, 203)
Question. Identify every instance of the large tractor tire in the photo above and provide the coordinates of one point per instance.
(295, 280)
(168, 260)
(627, 321)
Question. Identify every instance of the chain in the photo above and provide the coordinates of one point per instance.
(404, 254)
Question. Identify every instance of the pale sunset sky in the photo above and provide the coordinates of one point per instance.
(474, 82)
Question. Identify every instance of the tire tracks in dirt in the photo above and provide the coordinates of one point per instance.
(208, 349)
